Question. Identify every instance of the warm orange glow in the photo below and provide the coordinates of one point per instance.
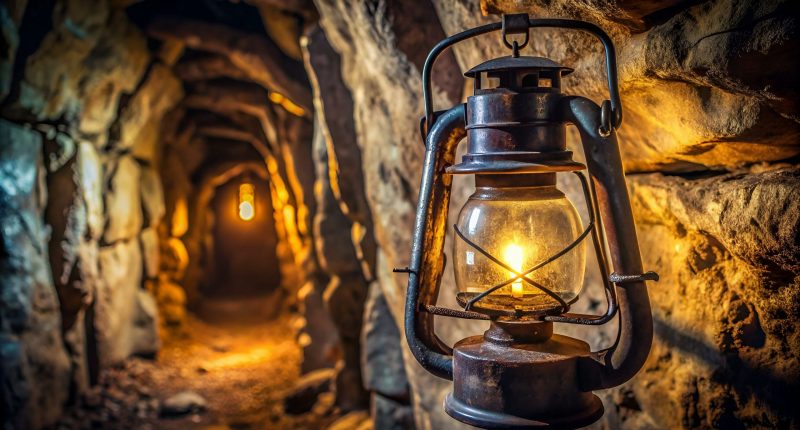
(247, 204)
(284, 102)
(254, 355)
(513, 256)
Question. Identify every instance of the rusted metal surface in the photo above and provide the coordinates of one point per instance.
(427, 256)
(519, 375)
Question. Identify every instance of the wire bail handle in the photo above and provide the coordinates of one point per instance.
(611, 109)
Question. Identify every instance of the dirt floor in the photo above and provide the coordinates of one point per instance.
(238, 355)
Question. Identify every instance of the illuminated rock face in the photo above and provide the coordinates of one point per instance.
(85, 100)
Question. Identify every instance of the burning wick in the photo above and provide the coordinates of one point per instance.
(513, 256)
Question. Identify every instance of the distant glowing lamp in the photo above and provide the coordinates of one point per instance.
(518, 250)
(247, 201)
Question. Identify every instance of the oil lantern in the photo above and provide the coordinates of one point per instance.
(519, 245)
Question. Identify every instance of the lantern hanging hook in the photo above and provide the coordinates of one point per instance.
(516, 24)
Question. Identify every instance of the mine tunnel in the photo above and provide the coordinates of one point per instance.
(211, 217)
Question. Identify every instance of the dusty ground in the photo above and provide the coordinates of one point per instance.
(238, 354)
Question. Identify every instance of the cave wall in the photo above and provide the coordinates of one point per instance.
(709, 141)
(83, 99)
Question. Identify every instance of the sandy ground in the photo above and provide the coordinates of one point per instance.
(238, 354)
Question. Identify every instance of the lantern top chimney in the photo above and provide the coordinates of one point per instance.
(518, 75)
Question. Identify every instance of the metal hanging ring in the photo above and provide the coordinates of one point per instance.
(516, 24)
(514, 45)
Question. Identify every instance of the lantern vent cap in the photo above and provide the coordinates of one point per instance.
(510, 63)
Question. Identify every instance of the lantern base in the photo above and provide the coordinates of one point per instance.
(488, 419)
(519, 375)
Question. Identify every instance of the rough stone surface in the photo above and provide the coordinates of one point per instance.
(385, 85)
(306, 391)
(139, 123)
(724, 313)
(389, 414)
(153, 205)
(33, 353)
(148, 239)
(79, 71)
(382, 359)
(183, 403)
(318, 335)
(334, 109)
(123, 320)
(123, 206)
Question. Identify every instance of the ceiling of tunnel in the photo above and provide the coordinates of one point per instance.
(241, 68)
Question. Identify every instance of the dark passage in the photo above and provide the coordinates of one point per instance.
(244, 256)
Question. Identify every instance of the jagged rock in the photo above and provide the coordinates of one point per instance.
(357, 420)
(185, 402)
(139, 123)
(123, 319)
(171, 299)
(382, 357)
(385, 86)
(344, 299)
(334, 107)
(57, 81)
(389, 414)
(9, 39)
(146, 342)
(152, 197)
(256, 55)
(35, 368)
(123, 206)
(755, 216)
(723, 312)
(332, 229)
(302, 397)
(174, 258)
(318, 335)
(150, 252)
(90, 172)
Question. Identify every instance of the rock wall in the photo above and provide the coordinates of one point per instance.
(83, 101)
(709, 141)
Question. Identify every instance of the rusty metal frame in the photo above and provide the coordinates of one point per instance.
(596, 125)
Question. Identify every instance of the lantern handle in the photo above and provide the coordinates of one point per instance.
(613, 114)
(619, 363)
(427, 251)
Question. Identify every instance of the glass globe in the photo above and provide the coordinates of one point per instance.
(520, 226)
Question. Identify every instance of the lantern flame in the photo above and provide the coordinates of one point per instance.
(513, 255)
(247, 207)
